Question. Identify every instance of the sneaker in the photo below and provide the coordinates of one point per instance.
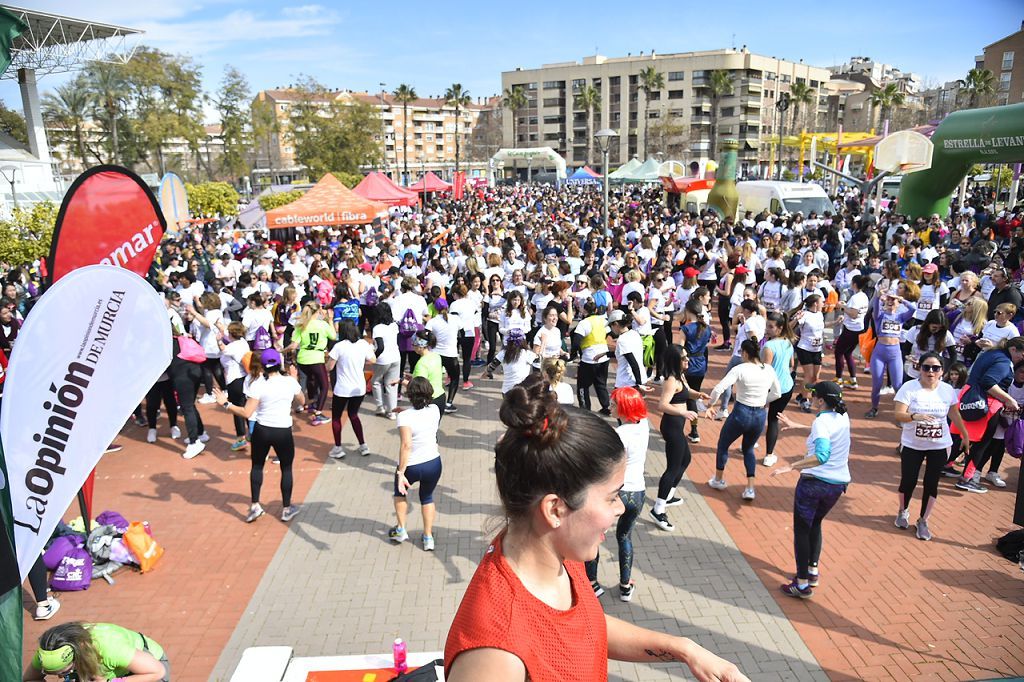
(337, 452)
(428, 543)
(193, 450)
(970, 486)
(793, 589)
(977, 476)
(922, 530)
(204, 437)
(46, 610)
(661, 521)
(392, 416)
(605, 411)
(381, 412)
(702, 406)
(872, 413)
(290, 512)
(490, 374)
(722, 415)
(995, 479)
(207, 399)
(466, 385)
(626, 591)
(770, 460)
(449, 408)
(805, 405)
(113, 447)
(852, 384)
(724, 348)
(151, 436)
(175, 432)
(693, 438)
(239, 445)
(950, 471)
(887, 390)
(364, 449)
(814, 579)
(140, 421)
(255, 512)
(673, 502)
(596, 586)
(319, 420)
(748, 494)
(717, 484)
(275, 460)
(903, 519)
(398, 535)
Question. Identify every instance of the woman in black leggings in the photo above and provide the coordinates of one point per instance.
(270, 398)
(674, 394)
(162, 392)
(185, 377)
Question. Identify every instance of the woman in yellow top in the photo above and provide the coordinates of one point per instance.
(97, 651)
(310, 338)
(429, 365)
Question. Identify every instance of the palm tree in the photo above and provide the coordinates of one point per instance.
(650, 81)
(405, 94)
(110, 91)
(457, 97)
(800, 94)
(589, 98)
(719, 86)
(68, 109)
(885, 99)
(979, 84)
(514, 99)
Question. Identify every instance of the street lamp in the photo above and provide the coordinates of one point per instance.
(10, 173)
(604, 139)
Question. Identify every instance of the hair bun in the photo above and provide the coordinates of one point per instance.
(532, 411)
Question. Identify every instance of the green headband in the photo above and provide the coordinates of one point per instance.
(58, 659)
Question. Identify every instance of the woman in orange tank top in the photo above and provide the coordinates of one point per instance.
(530, 613)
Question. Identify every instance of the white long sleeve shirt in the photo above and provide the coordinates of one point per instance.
(755, 384)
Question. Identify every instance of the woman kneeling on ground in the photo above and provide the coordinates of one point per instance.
(97, 651)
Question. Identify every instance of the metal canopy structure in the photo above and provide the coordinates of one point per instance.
(58, 44)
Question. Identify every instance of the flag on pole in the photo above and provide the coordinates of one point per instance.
(10, 586)
(10, 28)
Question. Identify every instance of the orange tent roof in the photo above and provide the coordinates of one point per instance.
(327, 203)
(378, 187)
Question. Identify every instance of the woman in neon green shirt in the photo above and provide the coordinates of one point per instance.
(312, 332)
(429, 365)
(98, 651)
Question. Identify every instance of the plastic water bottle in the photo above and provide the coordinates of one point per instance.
(399, 650)
(1020, 559)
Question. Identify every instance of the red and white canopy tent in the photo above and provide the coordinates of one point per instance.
(430, 183)
(378, 187)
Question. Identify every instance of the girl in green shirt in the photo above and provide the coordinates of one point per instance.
(429, 365)
(98, 651)
(309, 340)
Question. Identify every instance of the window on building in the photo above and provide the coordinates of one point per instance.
(552, 119)
(579, 83)
(815, 84)
(676, 75)
(653, 114)
(551, 136)
(614, 81)
(553, 102)
(700, 74)
(1004, 81)
(451, 137)
(769, 76)
(728, 111)
(553, 85)
(615, 116)
(533, 120)
(531, 86)
(801, 81)
(676, 94)
(654, 96)
(614, 99)
(784, 78)
(1007, 61)
(633, 80)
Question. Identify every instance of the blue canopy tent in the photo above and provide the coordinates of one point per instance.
(584, 176)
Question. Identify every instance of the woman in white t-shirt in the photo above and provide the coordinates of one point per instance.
(269, 400)
(447, 328)
(810, 327)
(932, 335)
(419, 460)
(351, 355)
(466, 310)
(553, 371)
(854, 318)
(207, 328)
(231, 357)
(515, 359)
(922, 407)
(386, 366)
(548, 341)
(256, 316)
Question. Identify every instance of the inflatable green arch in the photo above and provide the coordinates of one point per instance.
(991, 135)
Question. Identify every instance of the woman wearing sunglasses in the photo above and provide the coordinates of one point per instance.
(922, 406)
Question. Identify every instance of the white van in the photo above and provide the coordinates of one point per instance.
(782, 197)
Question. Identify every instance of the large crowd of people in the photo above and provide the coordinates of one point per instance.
(528, 282)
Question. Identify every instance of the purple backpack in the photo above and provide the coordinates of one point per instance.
(59, 549)
(74, 571)
(261, 340)
(1015, 438)
(112, 518)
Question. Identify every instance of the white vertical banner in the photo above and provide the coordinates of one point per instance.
(89, 351)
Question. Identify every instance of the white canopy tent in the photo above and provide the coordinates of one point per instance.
(540, 157)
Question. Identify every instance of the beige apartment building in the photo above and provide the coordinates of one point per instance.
(677, 118)
(429, 132)
(1005, 59)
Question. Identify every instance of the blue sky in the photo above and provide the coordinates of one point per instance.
(359, 44)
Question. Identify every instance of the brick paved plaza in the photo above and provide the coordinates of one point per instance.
(889, 606)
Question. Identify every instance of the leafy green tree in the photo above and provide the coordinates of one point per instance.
(13, 124)
(27, 235)
(800, 95)
(66, 112)
(265, 128)
(978, 86)
(110, 92)
(589, 99)
(457, 97)
(212, 199)
(271, 201)
(330, 134)
(719, 86)
(350, 180)
(651, 80)
(231, 101)
(514, 99)
(405, 94)
(885, 99)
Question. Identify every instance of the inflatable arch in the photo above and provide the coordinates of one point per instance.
(546, 156)
(990, 135)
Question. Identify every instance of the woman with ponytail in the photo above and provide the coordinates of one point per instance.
(824, 475)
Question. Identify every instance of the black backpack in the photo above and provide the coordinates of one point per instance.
(1011, 545)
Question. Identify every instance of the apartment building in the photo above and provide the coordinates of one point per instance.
(681, 111)
(878, 72)
(429, 131)
(1005, 59)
